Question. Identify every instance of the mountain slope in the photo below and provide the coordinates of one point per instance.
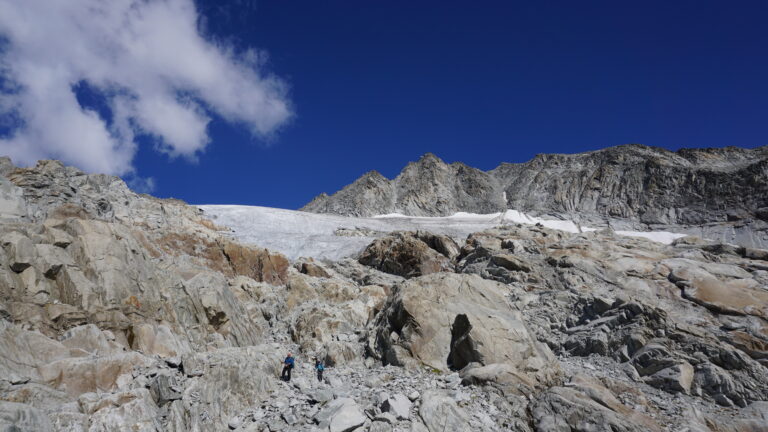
(123, 312)
(648, 184)
(717, 193)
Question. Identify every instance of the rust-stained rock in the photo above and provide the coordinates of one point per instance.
(258, 264)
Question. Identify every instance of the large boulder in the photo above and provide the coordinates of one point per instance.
(340, 415)
(406, 254)
(449, 321)
(440, 413)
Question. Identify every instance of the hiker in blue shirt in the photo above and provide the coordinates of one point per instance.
(287, 366)
(320, 368)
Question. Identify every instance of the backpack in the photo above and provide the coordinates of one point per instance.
(320, 367)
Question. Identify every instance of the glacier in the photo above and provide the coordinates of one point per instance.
(330, 237)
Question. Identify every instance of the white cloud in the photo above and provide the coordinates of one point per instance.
(160, 77)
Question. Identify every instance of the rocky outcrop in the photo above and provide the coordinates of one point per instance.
(719, 193)
(410, 254)
(588, 405)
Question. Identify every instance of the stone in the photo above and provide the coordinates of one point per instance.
(290, 417)
(511, 262)
(90, 339)
(20, 250)
(440, 413)
(398, 405)
(756, 254)
(340, 415)
(51, 259)
(164, 389)
(321, 395)
(404, 254)
(499, 373)
(386, 417)
(311, 268)
(677, 378)
(652, 358)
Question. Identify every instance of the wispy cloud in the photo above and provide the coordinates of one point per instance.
(158, 75)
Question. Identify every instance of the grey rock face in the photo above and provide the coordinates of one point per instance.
(629, 185)
(447, 321)
(587, 405)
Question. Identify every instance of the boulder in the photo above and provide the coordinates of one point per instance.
(20, 250)
(340, 415)
(404, 254)
(756, 254)
(312, 268)
(652, 358)
(447, 321)
(398, 405)
(499, 373)
(440, 413)
(677, 378)
(511, 262)
(441, 243)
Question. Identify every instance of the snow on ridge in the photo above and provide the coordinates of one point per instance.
(297, 233)
(657, 236)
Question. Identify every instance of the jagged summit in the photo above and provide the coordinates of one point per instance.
(630, 184)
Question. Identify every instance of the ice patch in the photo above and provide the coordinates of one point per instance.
(657, 236)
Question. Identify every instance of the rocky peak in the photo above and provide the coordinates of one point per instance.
(722, 191)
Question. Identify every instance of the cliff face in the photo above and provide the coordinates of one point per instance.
(649, 185)
(633, 182)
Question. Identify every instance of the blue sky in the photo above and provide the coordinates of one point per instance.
(373, 85)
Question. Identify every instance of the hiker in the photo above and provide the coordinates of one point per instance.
(287, 366)
(320, 368)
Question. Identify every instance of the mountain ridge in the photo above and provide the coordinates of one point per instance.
(630, 185)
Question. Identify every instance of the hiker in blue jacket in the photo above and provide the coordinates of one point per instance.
(320, 368)
(287, 366)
